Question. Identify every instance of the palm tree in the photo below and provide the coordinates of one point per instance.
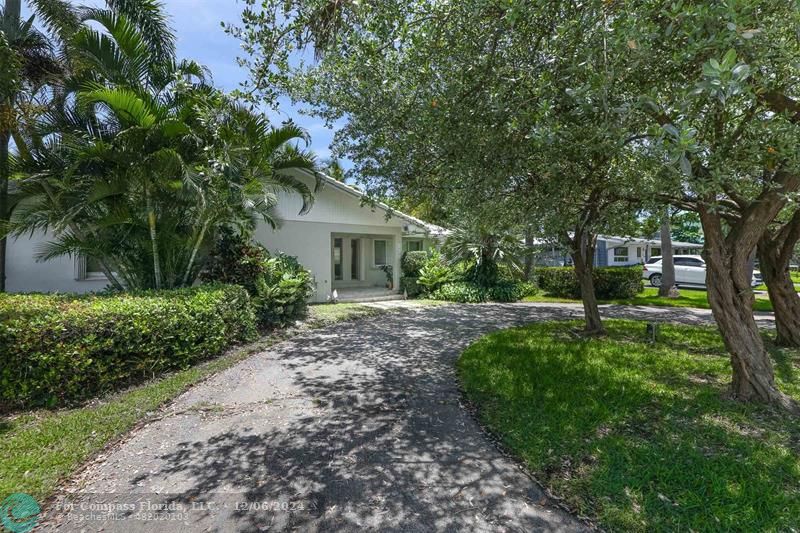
(484, 248)
(249, 162)
(28, 63)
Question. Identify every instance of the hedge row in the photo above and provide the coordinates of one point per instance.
(609, 282)
(59, 350)
(467, 292)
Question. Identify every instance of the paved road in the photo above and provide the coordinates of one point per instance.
(352, 427)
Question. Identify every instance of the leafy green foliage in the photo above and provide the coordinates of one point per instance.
(279, 285)
(469, 292)
(639, 436)
(412, 262)
(434, 274)
(235, 260)
(410, 285)
(283, 291)
(484, 251)
(609, 282)
(59, 350)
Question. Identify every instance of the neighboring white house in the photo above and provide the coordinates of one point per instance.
(622, 251)
(342, 240)
(617, 251)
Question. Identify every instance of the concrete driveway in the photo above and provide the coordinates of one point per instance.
(358, 426)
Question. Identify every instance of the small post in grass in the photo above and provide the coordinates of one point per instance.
(652, 332)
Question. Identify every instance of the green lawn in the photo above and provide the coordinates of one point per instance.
(689, 298)
(38, 449)
(638, 436)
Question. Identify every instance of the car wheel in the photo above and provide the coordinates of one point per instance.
(655, 280)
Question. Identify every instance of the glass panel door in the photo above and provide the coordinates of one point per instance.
(337, 259)
(355, 259)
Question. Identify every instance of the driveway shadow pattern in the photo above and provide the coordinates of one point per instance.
(357, 426)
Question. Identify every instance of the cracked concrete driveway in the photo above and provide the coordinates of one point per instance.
(357, 426)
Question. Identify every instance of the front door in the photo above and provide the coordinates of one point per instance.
(355, 259)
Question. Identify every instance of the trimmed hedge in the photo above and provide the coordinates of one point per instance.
(610, 283)
(412, 262)
(59, 350)
(472, 293)
(411, 286)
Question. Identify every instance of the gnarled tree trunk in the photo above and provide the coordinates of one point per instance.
(582, 247)
(731, 298)
(774, 255)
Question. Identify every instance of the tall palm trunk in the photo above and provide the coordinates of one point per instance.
(4, 214)
(197, 243)
(151, 223)
(667, 263)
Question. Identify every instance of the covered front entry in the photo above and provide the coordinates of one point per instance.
(356, 260)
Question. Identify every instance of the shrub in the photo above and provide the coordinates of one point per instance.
(469, 292)
(279, 285)
(433, 275)
(58, 350)
(235, 260)
(282, 292)
(460, 291)
(609, 282)
(411, 286)
(412, 262)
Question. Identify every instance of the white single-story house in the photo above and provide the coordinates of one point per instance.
(622, 251)
(343, 240)
(618, 251)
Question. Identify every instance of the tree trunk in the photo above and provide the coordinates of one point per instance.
(583, 258)
(198, 242)
(151, 222)
(731, 299)
(667, 263)
(775, 252)
(4, 214)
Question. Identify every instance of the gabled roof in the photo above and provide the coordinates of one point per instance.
(425, 227)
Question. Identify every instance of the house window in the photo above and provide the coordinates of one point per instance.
(621, 255)
(639, 252)
(337, 259)
(655, 251)
(414, 246)
(379, 248)
(88, 269)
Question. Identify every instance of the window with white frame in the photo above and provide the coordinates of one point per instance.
(379, 252)
(621, 254)
(88, 269)
(414, 246)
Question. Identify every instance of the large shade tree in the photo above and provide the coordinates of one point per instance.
(719, 81)
(468, 105)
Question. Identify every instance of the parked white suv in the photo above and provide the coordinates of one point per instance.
(689, 270)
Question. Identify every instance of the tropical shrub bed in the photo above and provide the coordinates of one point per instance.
(469, 292)
(609, 282)
(410, 265)
(59, 350)
(411, 286)
(279, 285)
